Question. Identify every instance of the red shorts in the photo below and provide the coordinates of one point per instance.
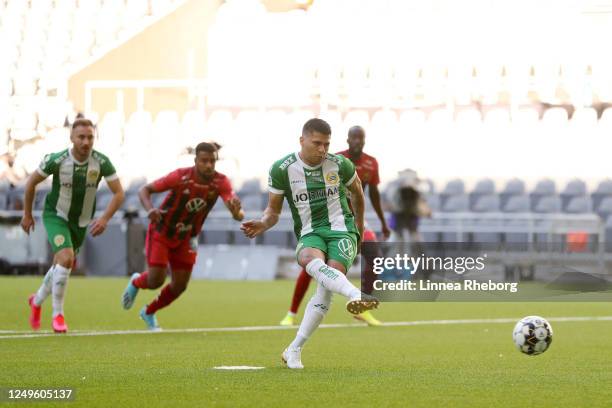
(161, 252)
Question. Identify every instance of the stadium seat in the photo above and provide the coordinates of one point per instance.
(517, 203)
(483, 187)
(543, 188)
(548, 204)
(452, 188)
(456, 203)
(513, 187)
(603, 190)
(604, 209)
(573, 189)
(487, 203)
(579, 205)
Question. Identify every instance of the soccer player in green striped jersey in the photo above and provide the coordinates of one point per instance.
(315, 184)
(69, 209)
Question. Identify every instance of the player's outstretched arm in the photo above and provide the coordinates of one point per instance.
(358, 202)
(253, 228)
(375, 200)
(27, 221)
(235, 208)
(99, 226)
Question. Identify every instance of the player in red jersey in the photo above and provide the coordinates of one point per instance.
(174, 228)
(367, 170)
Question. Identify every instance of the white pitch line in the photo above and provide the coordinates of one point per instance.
(22, 335)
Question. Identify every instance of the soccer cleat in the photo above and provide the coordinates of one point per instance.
(368, 318)
(149, 319)
(288, 320)
(130, 292)
(361, 304)
(34, 313)
(293, 357)
(59, 325)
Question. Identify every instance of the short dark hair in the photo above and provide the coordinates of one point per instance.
(82, 122)
(210, 147)
(316, 125)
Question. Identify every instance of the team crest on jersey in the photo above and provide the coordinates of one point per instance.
(59, 240)
(195, 204)
(347, 250)
(332, 178)
(92, 175)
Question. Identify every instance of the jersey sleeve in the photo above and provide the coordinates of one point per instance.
(375, 179)
(47, 166)
(107, 170)
(167, 182)
(275, 180)
(347, 171)
(225, 189)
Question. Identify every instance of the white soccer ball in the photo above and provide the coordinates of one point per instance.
(532, 335)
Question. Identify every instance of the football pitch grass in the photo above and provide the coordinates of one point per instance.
(453, 357)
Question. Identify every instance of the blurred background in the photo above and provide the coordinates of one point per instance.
(503, 108)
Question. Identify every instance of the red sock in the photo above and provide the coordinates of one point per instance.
(166, 296)
(141, 281)
(301, 286)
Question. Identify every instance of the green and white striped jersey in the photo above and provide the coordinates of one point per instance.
(73, 192)
(317, 196)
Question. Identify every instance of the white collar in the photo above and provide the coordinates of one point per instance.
(301, 162)
(75, 160)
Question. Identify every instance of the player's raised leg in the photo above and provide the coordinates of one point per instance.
(180, 279)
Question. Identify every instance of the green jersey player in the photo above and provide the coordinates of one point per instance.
(315, 184)
(69, 209)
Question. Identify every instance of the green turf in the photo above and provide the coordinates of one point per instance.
(472, 365)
